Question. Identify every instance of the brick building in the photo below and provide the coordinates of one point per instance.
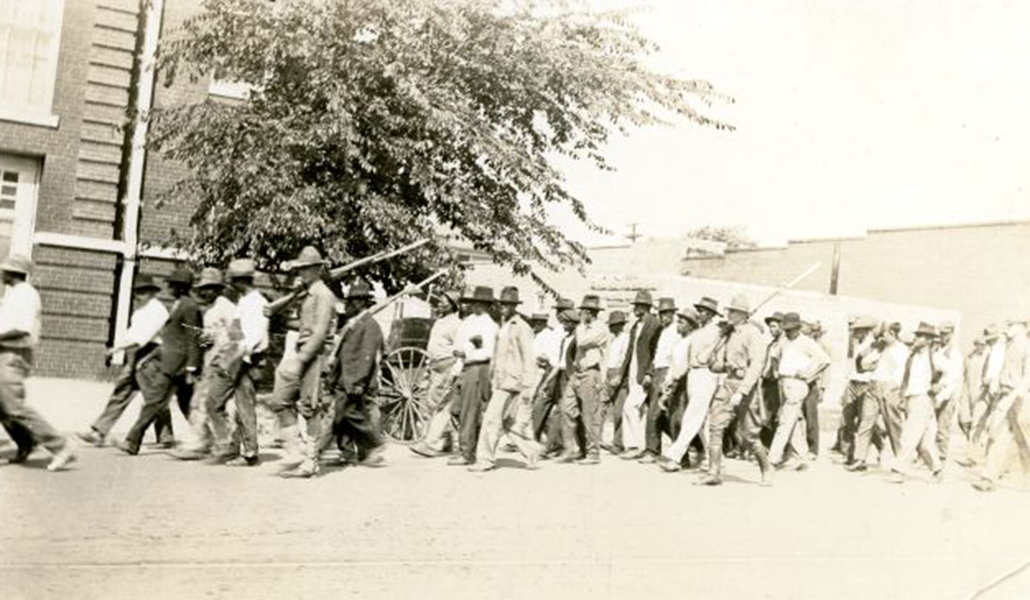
(75, 183)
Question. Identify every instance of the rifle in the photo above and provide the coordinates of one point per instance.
(337, 273)
(372, 310)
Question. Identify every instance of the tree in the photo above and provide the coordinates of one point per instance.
(376, 122)
(734, 236)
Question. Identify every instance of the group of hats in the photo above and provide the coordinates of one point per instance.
(239, 268)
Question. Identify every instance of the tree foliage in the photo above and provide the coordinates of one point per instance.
(373, 123)
(734, 236)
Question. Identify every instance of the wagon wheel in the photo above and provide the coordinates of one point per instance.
(403, 390)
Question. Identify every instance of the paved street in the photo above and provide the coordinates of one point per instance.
(153, 527)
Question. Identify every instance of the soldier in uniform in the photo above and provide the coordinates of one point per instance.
(20, 326)
(298, 376)
(739, 360)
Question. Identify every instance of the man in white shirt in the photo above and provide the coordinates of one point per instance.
(800, 362)
(237, 374)
(990, 388)
(20, 327)
(140, 344)
(580, 401)
(883, 397)
(444, 369)
(476, 340)
(667, 341)
(687, 320)
(948, 360)
(919, 431)
(614, 386)
(859, 377)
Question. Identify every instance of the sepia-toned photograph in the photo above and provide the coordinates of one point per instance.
(514, 299)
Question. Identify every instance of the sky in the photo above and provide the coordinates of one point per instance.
(850, 114)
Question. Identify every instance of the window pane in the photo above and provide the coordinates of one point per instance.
(10, 176)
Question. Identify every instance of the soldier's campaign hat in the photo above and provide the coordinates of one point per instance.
(539, 318)
(666, 305)
(480, 293)
(689, 314)
(739, 303)
(509, 295)
(776, 316)
(181, 276)
(791, 321)
(17, 263)
(643, 297)
(210, 277)
(359, 290)
(569, 315)
(309, 255)
(616, 317)
(564, 304)
(946, 327)
(145, 282)
(925, 329)
(590, 302)
(452, 296)
(709, 304)
(241, 268)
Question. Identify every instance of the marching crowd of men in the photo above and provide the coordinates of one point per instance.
(679, 386)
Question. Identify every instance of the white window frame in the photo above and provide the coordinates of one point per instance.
(43, 114)
(24, 212)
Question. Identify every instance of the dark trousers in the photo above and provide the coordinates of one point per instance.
(124, 388)
(237, 381)
(879, 399)
(616, 401)
(771, 401)
(850, 417)
(474, 383)
(28, 426)
(353, 420)
(811, 411)
(157, 387)
(657, 421)
(677, 405)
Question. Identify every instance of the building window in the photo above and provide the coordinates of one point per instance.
(19, 181)
(30, 38)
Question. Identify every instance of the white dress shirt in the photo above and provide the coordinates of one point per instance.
(666, 343)
(891, 366)
(484, 327)
(920, 374)
(253, 322)
(617, 348)
(951, 365)
(21, 311)
(146, 322)
(547, 345)
(443, 338)
(801, 357)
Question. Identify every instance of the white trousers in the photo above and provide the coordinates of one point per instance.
(701, 384)
(791, 428)
(918, 434)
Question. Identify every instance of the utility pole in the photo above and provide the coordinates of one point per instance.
(633, 236)
(835, 273)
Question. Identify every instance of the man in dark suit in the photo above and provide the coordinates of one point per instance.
(357, 367)
(177, 366)
(643, 341)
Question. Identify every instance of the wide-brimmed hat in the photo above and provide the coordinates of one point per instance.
(181, 276)
(210, 277)
(776, 316)
(816, 326)
(480, 293)
(863, 322)
(590, 302)
(309, 255)
(643, 297)
(145, 282)
(616, 317)
(689, 314)
(564, 304)
(241, 268)
(739, 303)
(569, 315)
(539, 318)
(926, 329)
(360, 289)
(17, 263)
(790, 321)
(451, 296)
(666, 305)
(946, 327)
(991, 332)
(709, 304)
(509, 295)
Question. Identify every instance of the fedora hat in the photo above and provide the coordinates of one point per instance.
(946, 327)
(308, 256)
(590, 302)
(359, 289)
(480, 293)
(991, 332)
(643, 297)
(564, 304)
(791, 321)
(616, 317)
(863, 322)
(689, 314)
(539, 318)
(452, 297)
(241, 268)
(509, 295)
(739, 303)
(17, 263)
(925, 329)
(145, 282)
(569, 315)
(666, 305)
(709, 304)
(181, 276)
(210, 277)
(776, 316)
